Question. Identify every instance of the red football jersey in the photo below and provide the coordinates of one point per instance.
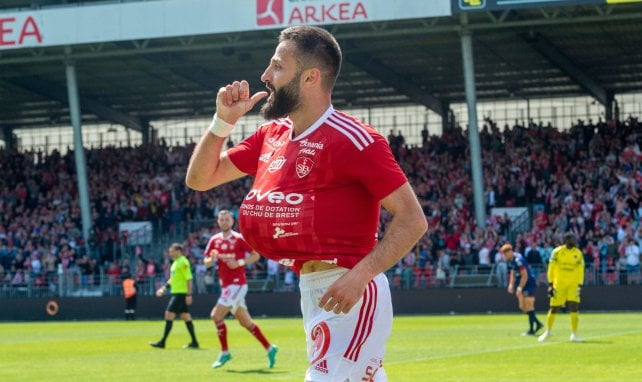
(232, 247)
(316, 196)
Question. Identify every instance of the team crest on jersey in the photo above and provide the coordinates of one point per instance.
(303, 166)
(277, 164)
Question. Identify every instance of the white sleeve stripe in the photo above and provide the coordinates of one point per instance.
(346, 133)
(357, 127)
(354, 127)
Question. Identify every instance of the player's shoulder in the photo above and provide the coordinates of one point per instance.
(352, 131)
(183, 260)
(519, 258)
(236, 235)
(218, 235)
(275, 126)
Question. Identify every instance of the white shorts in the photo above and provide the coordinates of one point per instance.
(346, 347)
(233, 296)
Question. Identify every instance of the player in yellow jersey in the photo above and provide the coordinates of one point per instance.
(565, 279)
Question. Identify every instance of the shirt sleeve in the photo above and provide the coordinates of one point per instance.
(552, 264)
(580, 269)
(244, 248)
(245, 155)
(378, 170)
(187, 270)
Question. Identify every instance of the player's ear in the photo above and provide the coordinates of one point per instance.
(311, 76)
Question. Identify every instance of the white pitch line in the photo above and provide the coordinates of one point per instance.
(547, 343)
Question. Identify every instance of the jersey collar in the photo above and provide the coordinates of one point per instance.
(314, 126)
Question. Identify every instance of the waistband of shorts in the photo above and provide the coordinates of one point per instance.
(320, 279)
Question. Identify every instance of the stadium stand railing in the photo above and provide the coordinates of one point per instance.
(71, 283)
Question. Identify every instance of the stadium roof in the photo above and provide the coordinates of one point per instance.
(518, 54)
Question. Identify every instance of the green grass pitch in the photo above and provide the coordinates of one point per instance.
(422, 348)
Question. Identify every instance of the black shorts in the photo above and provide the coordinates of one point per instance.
(177, 304)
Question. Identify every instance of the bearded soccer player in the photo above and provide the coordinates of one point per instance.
(228, 249)
(180, 283)
(522, 277)
(565, 279)
(311, 162)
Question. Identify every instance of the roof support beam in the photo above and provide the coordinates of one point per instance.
(557, 58)
(59, 93)
(403, 85)
(7, 135)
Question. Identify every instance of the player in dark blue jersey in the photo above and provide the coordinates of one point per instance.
(522, 277)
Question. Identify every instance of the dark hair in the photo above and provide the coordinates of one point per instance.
(316, 47)
(570, 240)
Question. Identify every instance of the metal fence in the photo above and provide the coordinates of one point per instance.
(71, 283)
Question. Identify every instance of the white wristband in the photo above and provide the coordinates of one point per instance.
(220, 128)
(241, 262)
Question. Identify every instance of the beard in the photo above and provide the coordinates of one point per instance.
(284, 102)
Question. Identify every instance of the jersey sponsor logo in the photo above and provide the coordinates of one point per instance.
(280, 232)
(311, 145)
(307, 151)
(320, 335)
(265, 157)
(277, 164)
(269, 12)
(322, 366)
(274, 143)
(275, 197)
(303, 166)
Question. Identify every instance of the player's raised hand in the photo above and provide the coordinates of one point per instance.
(233, 101)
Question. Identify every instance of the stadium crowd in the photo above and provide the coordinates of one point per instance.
(585, 180)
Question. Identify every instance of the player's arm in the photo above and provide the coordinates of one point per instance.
(511, 282)
(551, 271)
(580, 270)
(209, 166)
(253, 258)
(406, 228)
(187, 274)
(161, 290)
(210, 257)
(523, 279)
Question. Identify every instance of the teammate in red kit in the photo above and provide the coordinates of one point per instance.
(229, 250)
(311, 164)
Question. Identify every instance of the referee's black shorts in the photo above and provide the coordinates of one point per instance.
(177, 304)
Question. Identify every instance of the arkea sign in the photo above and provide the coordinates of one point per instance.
(19, 30)
(174, 18)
